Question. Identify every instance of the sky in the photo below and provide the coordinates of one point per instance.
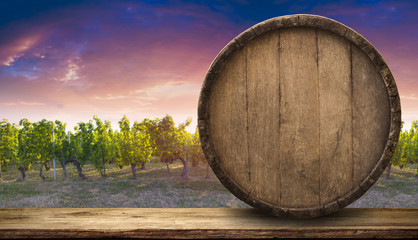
(70, 60)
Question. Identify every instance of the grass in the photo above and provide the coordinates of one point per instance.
(400, 191)
(154, 188)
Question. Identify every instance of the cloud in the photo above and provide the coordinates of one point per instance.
(71, 74)
(110, 98)
(409, 97)
(23, 103)
(13, 50)
(171, 90)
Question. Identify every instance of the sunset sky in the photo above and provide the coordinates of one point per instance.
(70, 60)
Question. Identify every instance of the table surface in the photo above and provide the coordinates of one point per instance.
(202, 223)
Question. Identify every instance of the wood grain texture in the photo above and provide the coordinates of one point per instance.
(299, 115)
(263, 112)
(335, 110)
(229, 119)
(299, 118)
(371, 112)
(200, 223)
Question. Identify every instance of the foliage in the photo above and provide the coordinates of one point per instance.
(413, 142)
(61, 144)
(101, 145)
(8, 144)
(134, 144)
(195, 150)
(399, 156)
(26, 147)
(85, 142)
(407, 149)
(42, 139)
(141, 144)
(171, 140)
(96, 143)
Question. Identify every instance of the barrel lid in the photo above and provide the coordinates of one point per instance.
(221, 145)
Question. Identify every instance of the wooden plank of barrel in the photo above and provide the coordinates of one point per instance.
(299, 116)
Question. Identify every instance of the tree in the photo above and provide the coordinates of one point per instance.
(399, 157)
(413, 149)
(26, 155)
(42, 147)
(115, 149)
(8, 144)
(141, 141)
(125, 143)
(101, 145)
(152, 129)
(61, 145)
(195, 152)
(83, 145)
(171, 142)
(135, 144)
(74, 149)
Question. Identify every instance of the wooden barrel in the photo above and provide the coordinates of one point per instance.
(299, 116)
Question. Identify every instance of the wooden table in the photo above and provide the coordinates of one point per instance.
(202, 223)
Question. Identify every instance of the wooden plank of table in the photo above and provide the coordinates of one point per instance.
(202, 223)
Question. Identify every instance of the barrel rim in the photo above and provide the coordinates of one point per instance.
(300, 20)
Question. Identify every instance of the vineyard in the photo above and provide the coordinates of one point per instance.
(406, 150)
(145, 164)
(45, 143)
